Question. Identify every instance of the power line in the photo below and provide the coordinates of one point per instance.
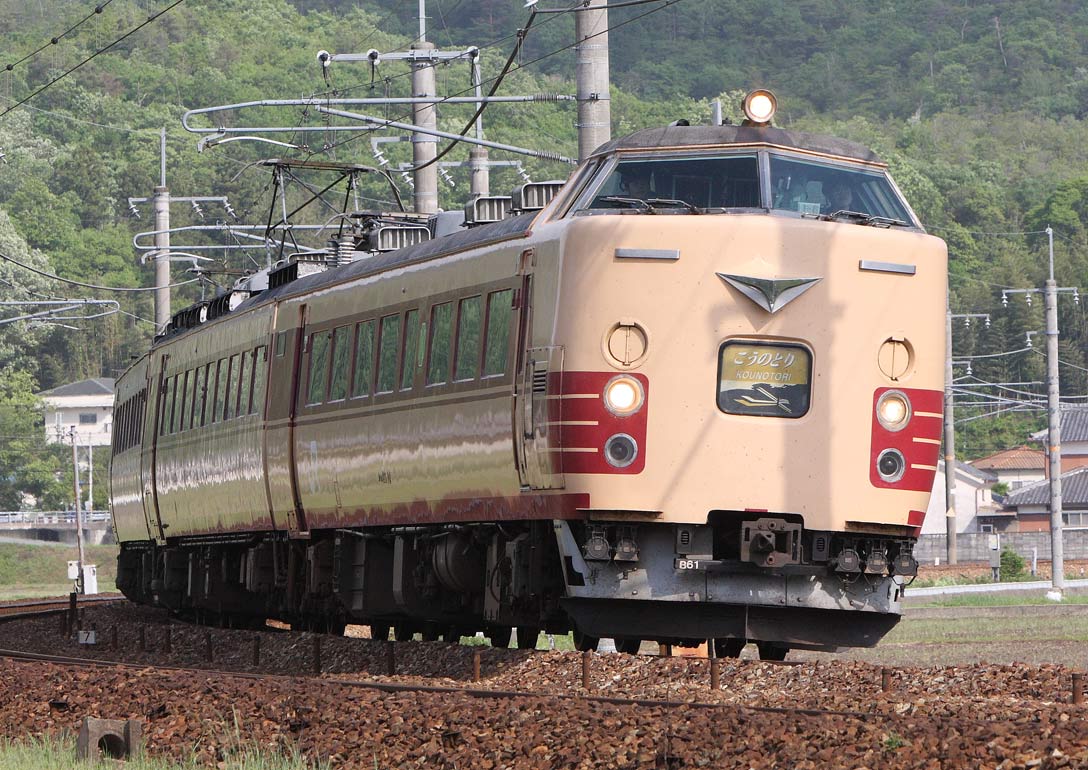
(53, 41)
(70, 70)
(14, 261)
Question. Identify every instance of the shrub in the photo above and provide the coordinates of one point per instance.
(1012, 564)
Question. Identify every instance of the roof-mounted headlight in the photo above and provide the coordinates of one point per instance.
(760, 106)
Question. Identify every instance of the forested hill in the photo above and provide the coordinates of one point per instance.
(979, 107)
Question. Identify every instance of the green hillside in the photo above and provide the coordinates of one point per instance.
(979, 107)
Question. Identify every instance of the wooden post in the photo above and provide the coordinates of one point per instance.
(1078, 687)
(885, 680)
(71, 613)
(317, 655)
(586, 657)
(715, 674)
(476, 665)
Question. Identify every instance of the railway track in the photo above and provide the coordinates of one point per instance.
(471, 692)
(31, 607)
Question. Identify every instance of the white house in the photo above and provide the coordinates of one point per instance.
(85, 406)
(973, 499)
(1018, 466)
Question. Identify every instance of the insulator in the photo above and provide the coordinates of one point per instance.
(197, 210)
(1004, 299)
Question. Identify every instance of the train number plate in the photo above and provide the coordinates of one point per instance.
(686, 564)
(764, 379)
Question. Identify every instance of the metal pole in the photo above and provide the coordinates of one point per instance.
(90, 475)
(594, 105)
(79, 507)
(949, 445)
(1054, 439)
(424, 146)
(161, 202)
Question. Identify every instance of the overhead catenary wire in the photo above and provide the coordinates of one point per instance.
(56, 39)
(54, 277)
(98, 52)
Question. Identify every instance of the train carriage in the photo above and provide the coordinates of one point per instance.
(695, 395)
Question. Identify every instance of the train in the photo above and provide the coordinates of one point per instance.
(692, 393)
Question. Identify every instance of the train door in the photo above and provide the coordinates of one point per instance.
(537, 382)
(156, 388)
(297, 517)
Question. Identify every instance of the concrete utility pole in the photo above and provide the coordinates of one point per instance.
(424, 146)
(594, 103)
(1054, 432)
(949, 447)
(1051, 290)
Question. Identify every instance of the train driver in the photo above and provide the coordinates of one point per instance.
(840, 197)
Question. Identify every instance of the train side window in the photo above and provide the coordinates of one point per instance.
(246, 382)
(467, 359)
(364, 359)
(233, 382)
(199, 387)
(175, 418)
(341, 357)
(167, 405)
(220, 390)
(497, 339)
(183, 396)
(411, 350)
(438, 361)
(260, 377)
(281, 344)
(319, 368)
(388, 345)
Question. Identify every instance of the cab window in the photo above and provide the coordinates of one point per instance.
(678, 185)
(823, 189)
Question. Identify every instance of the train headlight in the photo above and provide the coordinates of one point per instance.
(891, 465)
(620, 450)
(760, 106)
(893, 410)
(623, 395)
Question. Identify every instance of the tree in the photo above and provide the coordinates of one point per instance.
(29, 467)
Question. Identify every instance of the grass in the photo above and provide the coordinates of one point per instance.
(1022, 628)
(33, 570)
(55, 754)
(967, 580)
(1003, 600)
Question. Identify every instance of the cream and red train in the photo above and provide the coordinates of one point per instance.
(694, 395)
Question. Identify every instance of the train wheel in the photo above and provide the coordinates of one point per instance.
(729, 648)
(379, 631)
(527, 636)
(584, 642)
(772, 651)
(430, 633)
(403, 632)
(629, 646)
(500, 637)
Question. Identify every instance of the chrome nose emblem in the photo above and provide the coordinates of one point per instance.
(771, 294)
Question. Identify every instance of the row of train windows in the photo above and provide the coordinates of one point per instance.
(214, 392)
(128, 424)
(370, 352)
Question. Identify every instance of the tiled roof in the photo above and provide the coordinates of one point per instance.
(1019, 459)
(1074, 425)
(1074, 491)
(98, 386)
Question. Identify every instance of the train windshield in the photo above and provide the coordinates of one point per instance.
(835, 192)
(679, 184)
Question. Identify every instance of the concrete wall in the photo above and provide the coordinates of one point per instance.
(976, 547)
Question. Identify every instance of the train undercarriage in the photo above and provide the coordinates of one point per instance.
(732, 581)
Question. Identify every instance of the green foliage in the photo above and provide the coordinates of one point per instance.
(1000, 488)
(1012, 564)
(893, 741)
